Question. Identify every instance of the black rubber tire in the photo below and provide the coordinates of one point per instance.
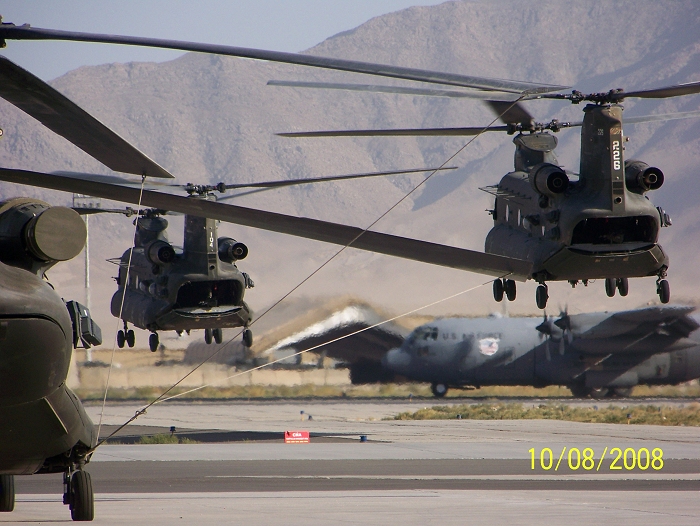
(623, 286)
(248, 338)
(664, 291)
(153, 342)
(82, 505)
(208, 336)
(7, 493)
(498, 290)
(439, 389)
(510, 289)
(121, 339)
(218, 335)
(130, 338)
(610, 286)
(541, 296)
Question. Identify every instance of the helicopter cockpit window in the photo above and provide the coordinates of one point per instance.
(426, 333)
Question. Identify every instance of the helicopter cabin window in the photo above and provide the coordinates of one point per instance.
(615, 230)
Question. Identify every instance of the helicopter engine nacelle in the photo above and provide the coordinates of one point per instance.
(640, 177)
(548, 179)
(35, 235)
(160, 253)
(231, 250)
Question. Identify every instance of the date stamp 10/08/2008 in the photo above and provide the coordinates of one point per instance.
(586, 459)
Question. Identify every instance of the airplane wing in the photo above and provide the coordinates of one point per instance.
(344, 235)
(643, 331)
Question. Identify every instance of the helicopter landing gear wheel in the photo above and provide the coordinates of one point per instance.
(208, 335)
(121, 339)
(130, 338)
(81, 497)
(663, 289)
(218, 335)
(623, 286)
(7, 493)
(153, 342)
(498, 290)
(541, 296)
(610, 286)
(509, 288)
(247, 337)
(439, 389)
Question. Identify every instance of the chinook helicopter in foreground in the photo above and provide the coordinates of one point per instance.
(44, 426)
(547, 227)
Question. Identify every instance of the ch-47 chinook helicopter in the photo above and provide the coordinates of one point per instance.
(44, 426)
(547, 227)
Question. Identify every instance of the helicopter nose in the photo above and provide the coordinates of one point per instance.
(396, 360)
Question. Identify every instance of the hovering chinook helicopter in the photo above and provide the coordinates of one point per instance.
(598, 226)
(199, 287)
(547, 227)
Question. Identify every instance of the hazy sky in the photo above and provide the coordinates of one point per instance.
(283, 25)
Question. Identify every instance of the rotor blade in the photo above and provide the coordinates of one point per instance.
(39, 100)
(25, 32)
(409, 132)
(84, 211)
(661, 93)
(397, 90)
(343, 235)
(292, 182)
(663, 117)
(510, 112)
(113, 179)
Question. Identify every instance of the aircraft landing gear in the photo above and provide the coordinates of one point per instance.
(247, 337)
(208, 334)
(498, 289)
(121, 339)
(623, 286)
(610, 286)
(78, 495)
(439, 389)
(7, 493)
(125, 336)
(218, 335)
(153, 342)
(663, 289)
(504, 286)
(541, 296)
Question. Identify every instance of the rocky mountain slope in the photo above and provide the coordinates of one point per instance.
(209, 118)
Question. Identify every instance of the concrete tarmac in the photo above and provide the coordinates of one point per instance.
(409, 472)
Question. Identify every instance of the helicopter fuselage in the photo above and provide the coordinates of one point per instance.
(199, 287)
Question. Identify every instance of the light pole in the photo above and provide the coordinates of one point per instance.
(86, 201)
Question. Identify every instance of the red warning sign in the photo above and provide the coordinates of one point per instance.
(296, 437)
